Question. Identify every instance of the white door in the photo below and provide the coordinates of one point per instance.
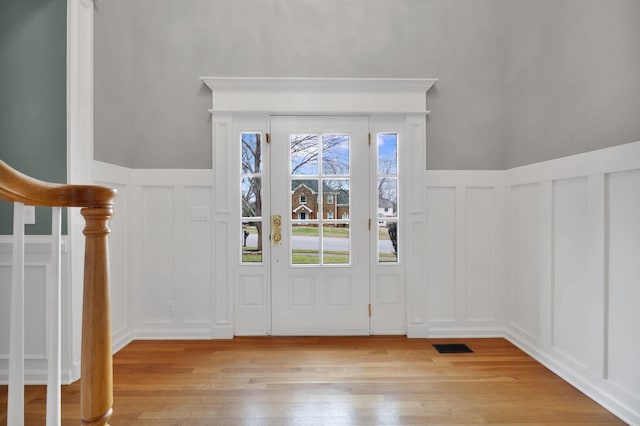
(320, 201)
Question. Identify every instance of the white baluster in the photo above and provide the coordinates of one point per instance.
(15, 409)
(53, 320)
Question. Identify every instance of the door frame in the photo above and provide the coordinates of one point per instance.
(248, 103)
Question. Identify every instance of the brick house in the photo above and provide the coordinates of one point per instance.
(304, 202)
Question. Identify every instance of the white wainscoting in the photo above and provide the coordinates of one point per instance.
(161, 253)
(574, 271)
(545, 255)
(465, 253)
(37, 283)
(119, 251)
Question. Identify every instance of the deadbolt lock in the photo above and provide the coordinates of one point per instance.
(276, 232)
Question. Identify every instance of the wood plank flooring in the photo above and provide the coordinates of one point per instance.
(270, 381)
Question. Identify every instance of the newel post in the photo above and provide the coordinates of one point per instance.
(97, 373)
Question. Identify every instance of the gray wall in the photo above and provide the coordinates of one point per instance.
(521, 81)
(33, 96)
(572, 77)
(113, 82)
(151, 53)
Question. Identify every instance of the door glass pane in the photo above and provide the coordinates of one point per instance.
(305, 243)
(387, 154)
(335, 155)
(304, 199)
(387, 197)
(251, 153)
(335, 244)
(335, 199)
(251, 197)
(304, 154)
(251, 250)
(388, 219)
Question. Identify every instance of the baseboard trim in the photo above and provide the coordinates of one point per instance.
(596, 389)
(171, 334)
(120, 340)
(465, 331)
(417, 331)
(221, 332)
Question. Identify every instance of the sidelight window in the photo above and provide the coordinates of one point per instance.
(251, 188)
(388, 223)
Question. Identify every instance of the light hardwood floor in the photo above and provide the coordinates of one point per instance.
(328, 381)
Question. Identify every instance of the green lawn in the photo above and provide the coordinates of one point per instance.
(329, 231)
(250, 254)
(311, 257)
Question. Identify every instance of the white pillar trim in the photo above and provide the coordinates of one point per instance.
(79, 152)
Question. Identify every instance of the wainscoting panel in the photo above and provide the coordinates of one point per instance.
(465, 241)
(574, 323)
(574, 246)
(441, 253)
(481, 250)
(198, 255)
(161, 250)
(35, 309)
(158, 253)
(37, 284)
(623, 346)
(525, 259)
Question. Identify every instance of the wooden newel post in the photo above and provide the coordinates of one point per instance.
(97, 372)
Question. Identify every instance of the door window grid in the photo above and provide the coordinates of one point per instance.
(320, 175)
(251, 175)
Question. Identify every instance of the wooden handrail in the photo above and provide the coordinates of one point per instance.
(97, 208)
(18, 187)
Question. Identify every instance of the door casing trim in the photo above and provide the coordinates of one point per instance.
(236, 99)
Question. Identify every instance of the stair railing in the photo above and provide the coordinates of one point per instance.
(96, 388)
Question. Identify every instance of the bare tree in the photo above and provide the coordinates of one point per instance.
(306, 154)
(252, 186)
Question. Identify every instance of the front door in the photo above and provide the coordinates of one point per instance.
(320, 225)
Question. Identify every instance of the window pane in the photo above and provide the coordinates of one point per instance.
(252, 241)
(387, 219)
(335, 154)
(387, 197)
(251, 197)
(304, 154)
(336, 245)
(387, 153)
(251, 153)
(305, 244)
(335, 197)
(387, 241)
(304, 199)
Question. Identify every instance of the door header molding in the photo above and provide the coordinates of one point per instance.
(319, 95)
